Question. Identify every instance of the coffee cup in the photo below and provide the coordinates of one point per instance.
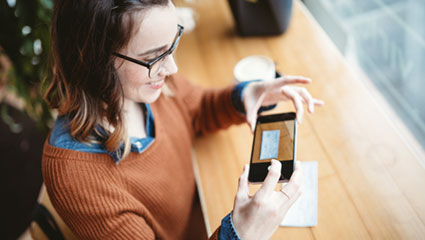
(255, 68)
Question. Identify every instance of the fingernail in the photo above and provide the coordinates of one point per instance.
(320, 102)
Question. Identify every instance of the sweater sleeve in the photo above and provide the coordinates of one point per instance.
(209, 109)
(92, 205)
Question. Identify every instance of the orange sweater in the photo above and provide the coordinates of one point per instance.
(147, 195)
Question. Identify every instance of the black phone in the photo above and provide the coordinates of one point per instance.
(275, 137)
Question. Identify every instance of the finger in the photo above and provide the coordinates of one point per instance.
(318, 102)
(252, 114)
(293, 187)
(297, 174)
(251, 111)
(307, 98)
(287, 79)
(297, 100)
(252, 121)
(297, 166)
(272, 177)
(251, 117)
(243, 188)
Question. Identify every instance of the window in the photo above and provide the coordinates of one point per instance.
(386, 39)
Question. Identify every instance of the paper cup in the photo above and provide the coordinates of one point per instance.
(254, 68)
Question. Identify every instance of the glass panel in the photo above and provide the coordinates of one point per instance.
(386, 38)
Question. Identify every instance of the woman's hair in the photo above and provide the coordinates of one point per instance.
(84, 85)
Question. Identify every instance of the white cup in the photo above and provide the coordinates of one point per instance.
(254, 68)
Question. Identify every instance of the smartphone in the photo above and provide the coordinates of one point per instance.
(275, 137)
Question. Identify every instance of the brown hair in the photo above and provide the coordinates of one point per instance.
(84, 85)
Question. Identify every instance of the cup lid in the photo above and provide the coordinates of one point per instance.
(254, 67)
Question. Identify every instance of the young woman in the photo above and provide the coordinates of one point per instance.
(117, 164)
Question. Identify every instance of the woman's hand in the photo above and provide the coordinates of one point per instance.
(257, 217)
(267, 93)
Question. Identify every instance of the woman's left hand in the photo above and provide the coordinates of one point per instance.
(265, 93)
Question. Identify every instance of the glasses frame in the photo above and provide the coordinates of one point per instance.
(160, 57)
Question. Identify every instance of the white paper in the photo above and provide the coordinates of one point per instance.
(304, 211)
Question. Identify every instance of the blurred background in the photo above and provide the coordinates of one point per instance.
(386, 40)
(24, 116)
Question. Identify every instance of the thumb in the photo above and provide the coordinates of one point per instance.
(252, 112)
(252, 121)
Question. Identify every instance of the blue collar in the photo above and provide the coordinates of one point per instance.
(61, 137)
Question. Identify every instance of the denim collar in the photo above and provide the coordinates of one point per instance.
(61, 137)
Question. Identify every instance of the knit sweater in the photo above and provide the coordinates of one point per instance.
(147, 195)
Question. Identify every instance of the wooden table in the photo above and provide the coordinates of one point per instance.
(371, 170)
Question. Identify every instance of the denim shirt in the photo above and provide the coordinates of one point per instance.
(61, 137)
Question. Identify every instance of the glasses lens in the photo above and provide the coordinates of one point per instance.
(156, 67)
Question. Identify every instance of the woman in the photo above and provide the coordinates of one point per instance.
(117, 163)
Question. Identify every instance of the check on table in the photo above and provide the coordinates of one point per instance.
(371, 171)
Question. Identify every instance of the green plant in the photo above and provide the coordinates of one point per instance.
(25, 40)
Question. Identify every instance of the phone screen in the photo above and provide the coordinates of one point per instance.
(274, 138)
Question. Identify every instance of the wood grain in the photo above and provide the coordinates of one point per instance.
(371, 173)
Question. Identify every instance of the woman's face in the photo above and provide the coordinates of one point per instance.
(156, 33)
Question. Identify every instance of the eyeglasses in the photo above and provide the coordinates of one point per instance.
(156, 64)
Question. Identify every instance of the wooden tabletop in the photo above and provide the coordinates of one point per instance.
(371, 170)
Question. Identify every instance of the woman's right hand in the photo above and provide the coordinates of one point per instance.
(257, 217)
